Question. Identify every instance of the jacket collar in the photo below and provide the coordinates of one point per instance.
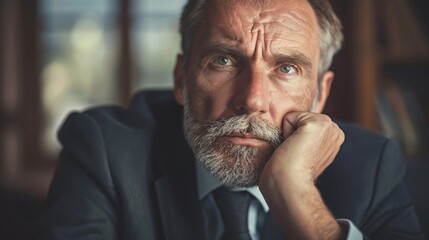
(176, 189)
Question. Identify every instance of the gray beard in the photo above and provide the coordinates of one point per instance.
(233, 165)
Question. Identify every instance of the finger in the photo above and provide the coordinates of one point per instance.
(291, 123)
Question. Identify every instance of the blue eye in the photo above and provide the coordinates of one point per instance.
(222, 60)
(288, 69)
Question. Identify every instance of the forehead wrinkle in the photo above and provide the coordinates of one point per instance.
(293, 18)
(233, 28)
(298, 21)
(238, 29)
(293, 21)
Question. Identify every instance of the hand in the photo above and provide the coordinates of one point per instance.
(311, 143)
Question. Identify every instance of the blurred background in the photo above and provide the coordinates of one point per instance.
(58, 56)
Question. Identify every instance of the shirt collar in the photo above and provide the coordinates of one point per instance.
(206, 183)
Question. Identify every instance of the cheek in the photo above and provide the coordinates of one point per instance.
(291, 99)
(208, 101)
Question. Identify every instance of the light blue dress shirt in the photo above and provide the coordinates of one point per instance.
(258, 209)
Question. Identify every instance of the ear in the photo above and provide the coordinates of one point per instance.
(327, 79)
(179, 79)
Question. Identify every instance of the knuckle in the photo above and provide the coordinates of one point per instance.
(341, 135)
(325, 120)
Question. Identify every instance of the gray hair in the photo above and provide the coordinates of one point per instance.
(331, 36)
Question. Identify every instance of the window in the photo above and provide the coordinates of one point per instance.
(63, 55)
(156, 41)
(79, 61)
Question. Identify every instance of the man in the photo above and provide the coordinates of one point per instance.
(253, 80)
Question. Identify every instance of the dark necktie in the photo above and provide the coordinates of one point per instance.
(234, 207)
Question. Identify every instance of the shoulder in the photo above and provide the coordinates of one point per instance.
(107, 122)
(364, 146)
(367, 164)
(366, 150)
(369, 150)
(365, 184)
(357, 136)
(115, 137)
(106, 168)
(140, 114)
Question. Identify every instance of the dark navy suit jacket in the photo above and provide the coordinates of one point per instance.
(129, 174)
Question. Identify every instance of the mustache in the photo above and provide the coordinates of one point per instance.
(245, 124)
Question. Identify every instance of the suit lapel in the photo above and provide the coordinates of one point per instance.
(176, 189)
(180, 210)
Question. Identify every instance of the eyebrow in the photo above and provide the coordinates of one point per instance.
(222, 47)
(294, 57)
(297, 58)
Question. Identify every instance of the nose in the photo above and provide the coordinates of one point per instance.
(252, 94)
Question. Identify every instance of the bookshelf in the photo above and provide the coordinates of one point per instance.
(390, 46)
(390, 41)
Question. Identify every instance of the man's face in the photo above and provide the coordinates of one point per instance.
(252, 65)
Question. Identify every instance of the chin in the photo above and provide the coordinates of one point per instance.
(236, 165)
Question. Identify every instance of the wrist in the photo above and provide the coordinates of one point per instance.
(286, 178)
(299, 204)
